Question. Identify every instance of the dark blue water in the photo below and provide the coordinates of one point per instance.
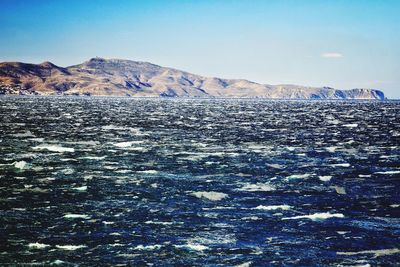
(119, 181)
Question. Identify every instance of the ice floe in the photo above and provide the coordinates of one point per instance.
(316, 216)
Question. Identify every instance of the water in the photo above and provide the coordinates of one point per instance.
(119, 181)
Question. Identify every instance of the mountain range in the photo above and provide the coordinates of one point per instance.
(117, 77)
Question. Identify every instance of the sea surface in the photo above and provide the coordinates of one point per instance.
(168, 182)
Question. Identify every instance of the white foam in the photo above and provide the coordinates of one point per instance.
(150, 247)
(339, 189)
(81, 188)
(191, 246)
(54, 148)
(148, 172)
(20, 164)
(76, 216)
(273, 207)
(389, 172)
(38, 245)
(351, 125)
(244, 264)
(298, 176)
(326, 178)
(70, 247)
(127, 144)
(341, 165)
(94, 158)
(214, 196)
(157, 222)
(257, 187)
(331, 149)
(376, 253)
(316, 216)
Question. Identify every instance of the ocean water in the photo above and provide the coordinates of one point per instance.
(150, 182)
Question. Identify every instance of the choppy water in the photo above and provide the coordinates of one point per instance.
(97, 181)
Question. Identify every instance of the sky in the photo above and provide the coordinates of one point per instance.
(341, 44)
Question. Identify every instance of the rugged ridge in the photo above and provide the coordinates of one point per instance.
(117, 77)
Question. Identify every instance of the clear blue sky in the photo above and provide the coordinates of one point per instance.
(343, 44)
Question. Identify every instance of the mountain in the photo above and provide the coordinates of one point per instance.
(116, 77)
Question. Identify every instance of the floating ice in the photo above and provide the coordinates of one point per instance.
(214, 196)
(316, 216)
(54, 148)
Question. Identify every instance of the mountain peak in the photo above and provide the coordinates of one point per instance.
(120, 77)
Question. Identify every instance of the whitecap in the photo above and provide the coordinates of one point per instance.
(350, 125)
(127, 144)
(325, 178)
(93, 157)
(196, 247)
(156, 222)
(81, 188)
(54, 148)
(388, 172)
(376, 253)
(298, 176)
(70, 247)
(76, 216)
(257, 187)
(273, 207)
(20, 164)
(214, 196)
(331, 149)
(148, 172)
(38, 245)
(341, 165)
(149, 247)
(244, 264)
(316, 216)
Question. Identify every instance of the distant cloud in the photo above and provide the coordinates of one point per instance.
(332, 55)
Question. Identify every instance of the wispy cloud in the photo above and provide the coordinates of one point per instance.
(332, 55)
